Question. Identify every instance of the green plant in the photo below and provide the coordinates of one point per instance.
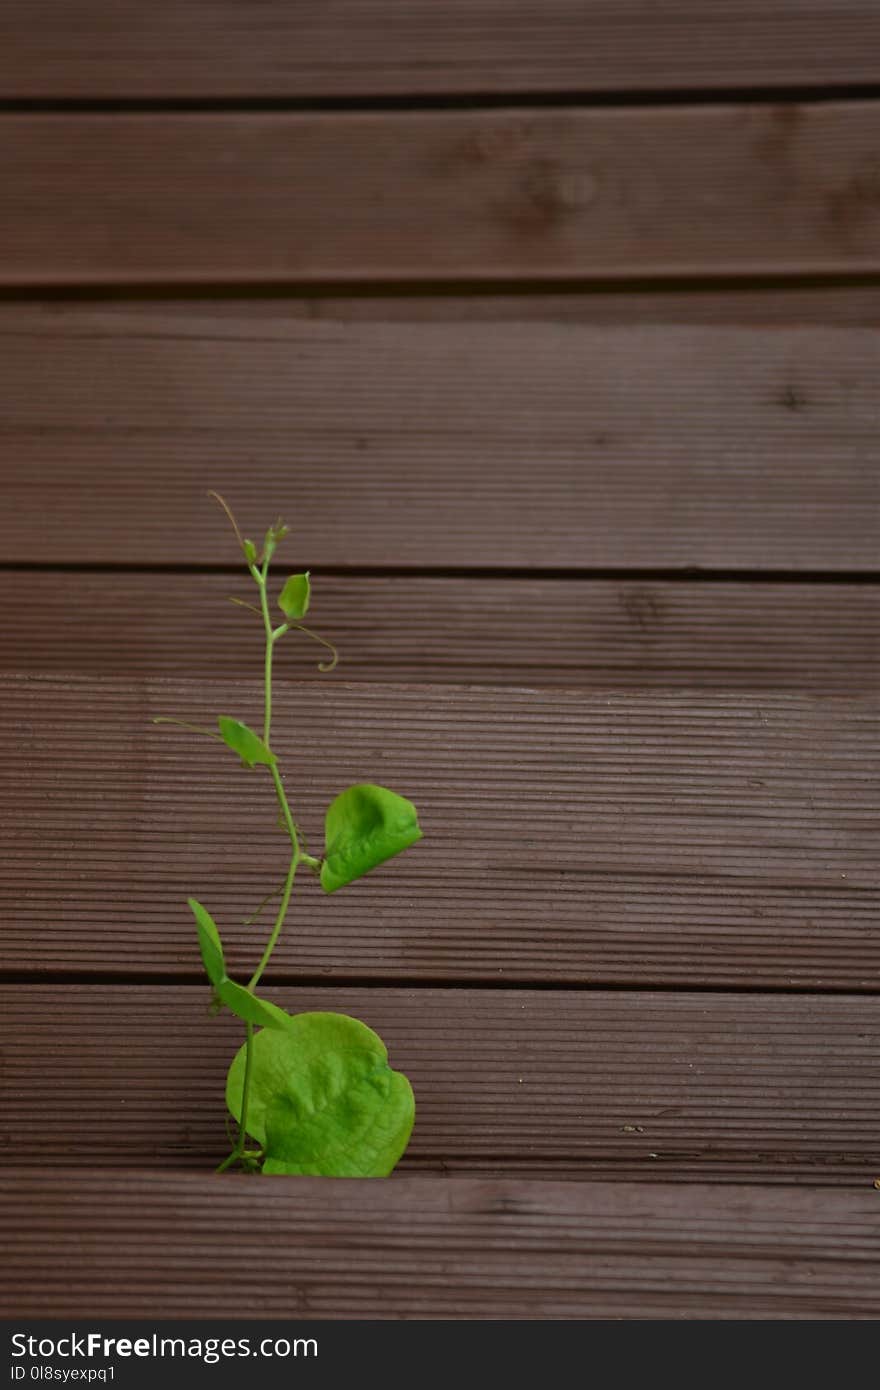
(314, 1091)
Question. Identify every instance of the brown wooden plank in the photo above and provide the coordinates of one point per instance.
(87, 1244)
(667, 1086)
(207, 48)
(680, 839)
(447, 445)
(400, 196)
(598, 635)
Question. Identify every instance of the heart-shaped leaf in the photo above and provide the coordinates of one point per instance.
(243, 741)
(323, 1099)
(364, 826)
(210, 944)
(250, 1007)
(295, 596)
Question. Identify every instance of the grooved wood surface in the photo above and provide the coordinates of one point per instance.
(617, 838)
(415, 1247)
(212, 48)
(638, 947)
(593, 634)
(672, 1086)
(203, 197)
(533, 445)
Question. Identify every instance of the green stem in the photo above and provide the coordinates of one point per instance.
(260, 578)
(245, 1094)
(296, 857)
(279, 923)
(267, 664)
(285, 809)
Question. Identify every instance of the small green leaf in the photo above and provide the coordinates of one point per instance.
(250, 551)
(323, 1100)
(243, 741)
(295, 596)
(364, 826)
(250, 1007)
(210, 944)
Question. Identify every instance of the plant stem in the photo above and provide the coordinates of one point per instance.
(271, 638)
(279, 923)
(270, 643)
(245, 1093)
(288, 883)
(285, 809)
(260, 576)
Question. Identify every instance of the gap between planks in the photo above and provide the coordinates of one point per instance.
(775, 301)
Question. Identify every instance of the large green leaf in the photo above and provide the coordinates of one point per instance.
(243, 741)
(210, 944)
(250, 1007)
(323, 1099)
(294, 597)
(364, 826)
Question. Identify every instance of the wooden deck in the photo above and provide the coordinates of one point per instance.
(556, 342)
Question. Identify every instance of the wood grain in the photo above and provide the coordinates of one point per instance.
(588, 634)
(276, 197)
(92, 1244)
(678, 839)
(533, 445)
(653, 1087)
(199, 49)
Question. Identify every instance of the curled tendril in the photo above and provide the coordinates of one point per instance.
(322, 665)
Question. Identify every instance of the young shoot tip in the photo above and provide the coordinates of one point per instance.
(275, 533)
